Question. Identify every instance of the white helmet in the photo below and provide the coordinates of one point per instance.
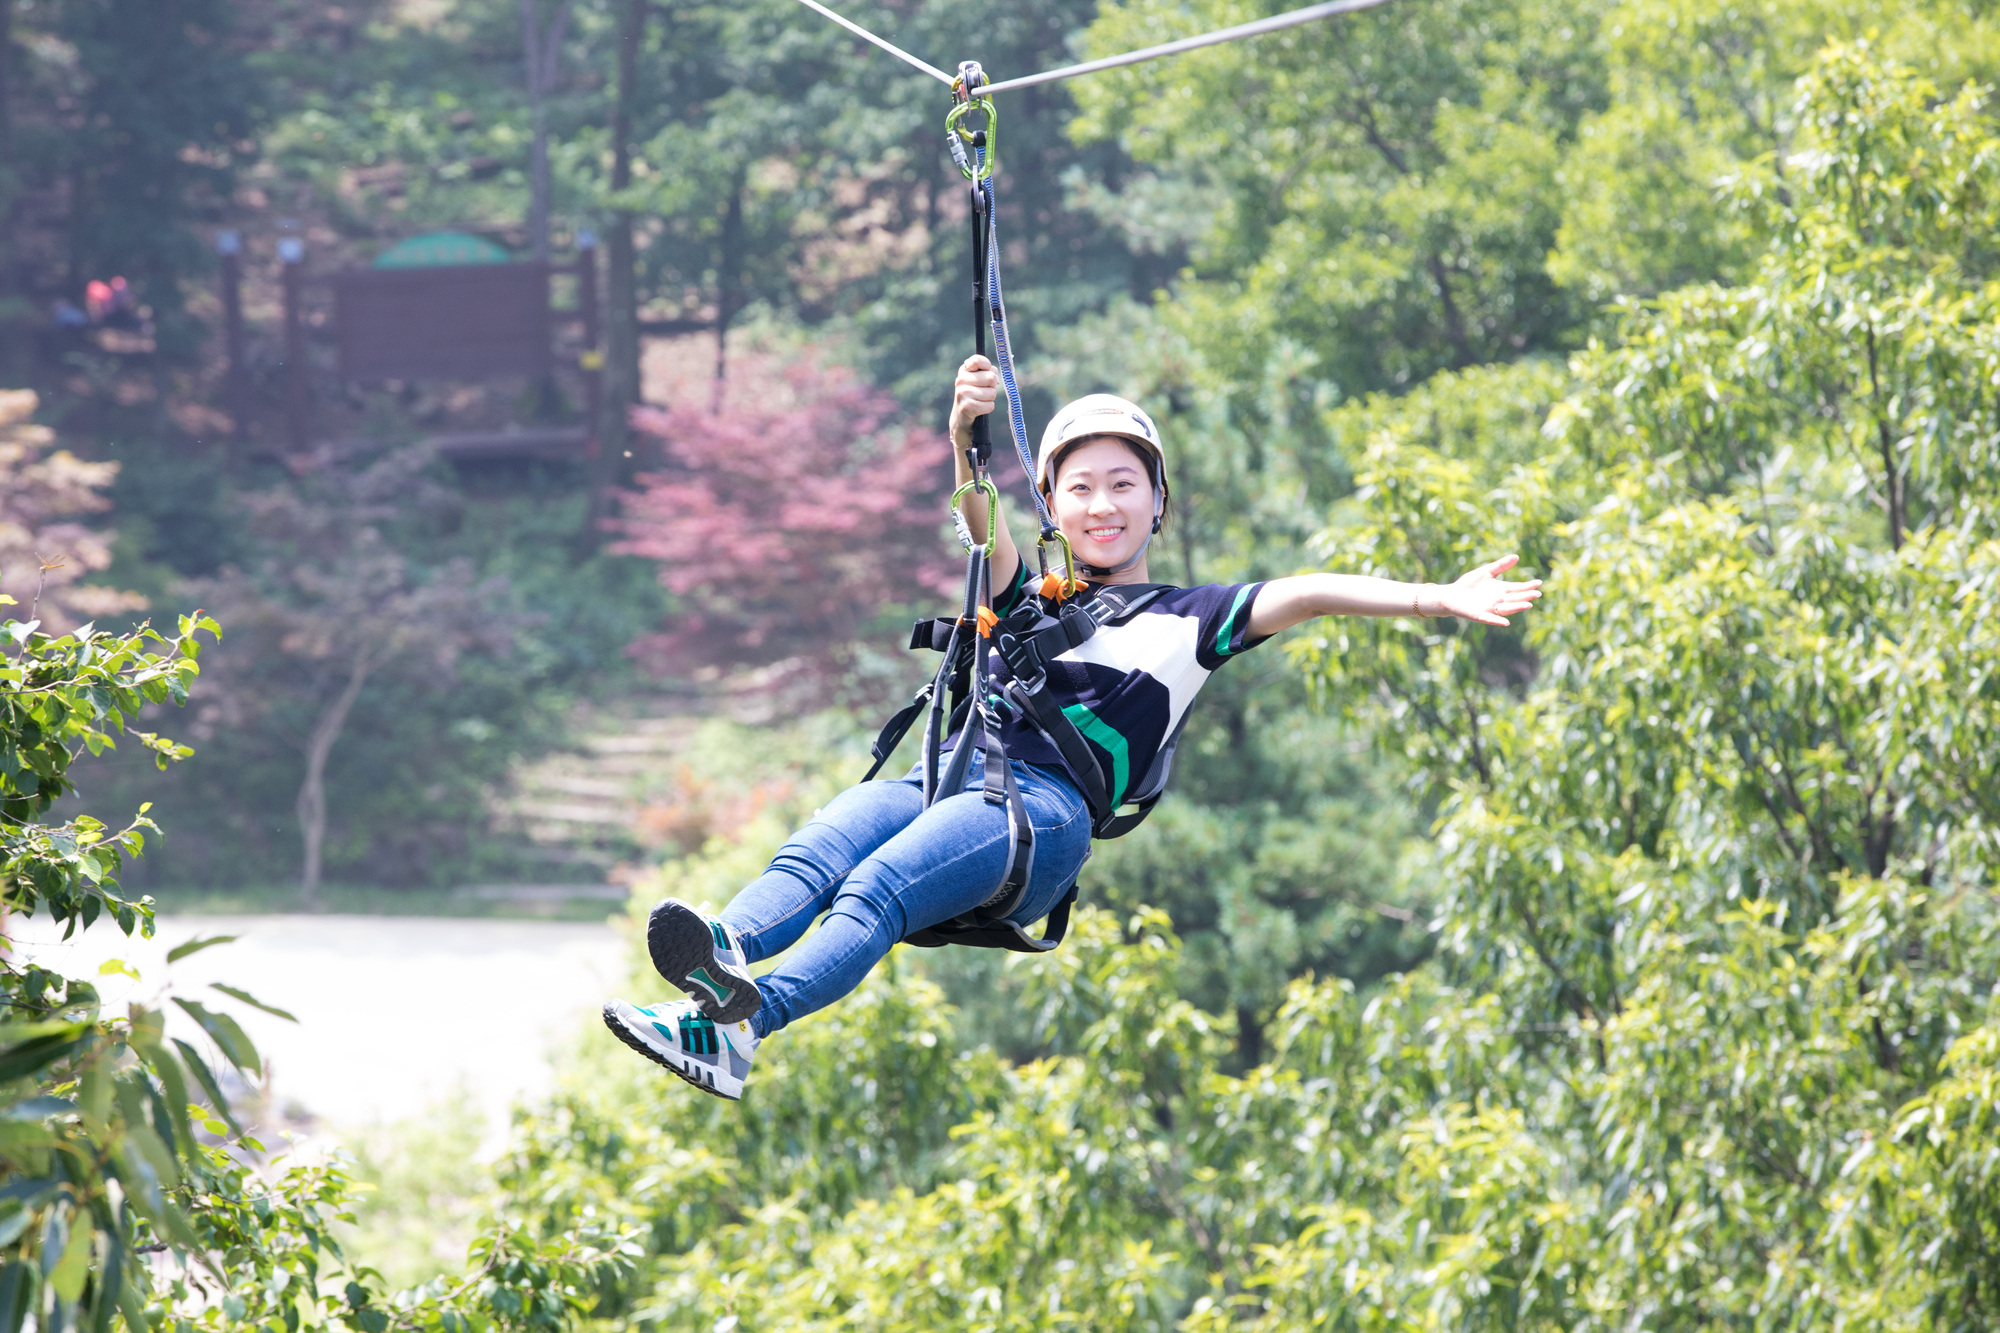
(1102, 414)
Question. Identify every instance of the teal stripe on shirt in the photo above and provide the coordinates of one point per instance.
(1097, 729)
(1222, 636)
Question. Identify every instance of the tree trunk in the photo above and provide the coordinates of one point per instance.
(543, 48)
(1249, 1037)
(617, 455)
(729, 299)
(312, 792)
(538, 186)
(7, 95)
(13, 341)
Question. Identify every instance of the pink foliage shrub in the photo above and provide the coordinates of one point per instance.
(787, 522)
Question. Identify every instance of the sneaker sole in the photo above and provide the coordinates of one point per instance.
(678, 941)
(702, 1080)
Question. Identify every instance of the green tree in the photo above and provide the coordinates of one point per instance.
(1719, 862)
(133, 118)
(335, 604)
(1415, 189)
(1384, 187)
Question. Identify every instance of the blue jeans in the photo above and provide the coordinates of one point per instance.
(879, 866)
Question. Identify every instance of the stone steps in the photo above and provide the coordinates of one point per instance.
(582, 805)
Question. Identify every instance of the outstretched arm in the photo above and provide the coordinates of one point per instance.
(973, 395)
(1479, 594)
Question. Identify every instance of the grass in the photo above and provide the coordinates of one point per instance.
(426, 1187)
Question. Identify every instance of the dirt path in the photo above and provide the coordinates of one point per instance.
(396, 1014)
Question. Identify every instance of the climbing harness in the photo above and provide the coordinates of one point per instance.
(1027, 639)
(962, 697)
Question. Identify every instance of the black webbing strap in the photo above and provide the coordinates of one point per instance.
(948, 678)
(1001, 934)
(893, 731)
(1002, 790)
(898, 726)
(978, 718)
(1118, 825)
(932, 634)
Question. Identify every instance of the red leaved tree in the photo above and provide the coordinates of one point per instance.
(787, 523)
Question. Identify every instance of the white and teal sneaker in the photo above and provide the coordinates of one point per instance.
(702, 956)
(713, 1056)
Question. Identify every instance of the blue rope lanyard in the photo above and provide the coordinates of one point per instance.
(1003, 356)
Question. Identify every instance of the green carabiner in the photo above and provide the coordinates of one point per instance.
(965, 537)
(973, 166)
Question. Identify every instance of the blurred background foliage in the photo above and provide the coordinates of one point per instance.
(1630, 967)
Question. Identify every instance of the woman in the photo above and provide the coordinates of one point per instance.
(879, 865)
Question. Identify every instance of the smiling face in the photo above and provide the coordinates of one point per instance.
(1103, 501)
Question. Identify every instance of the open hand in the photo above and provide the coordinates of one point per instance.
(1481, 594)
(974, 393)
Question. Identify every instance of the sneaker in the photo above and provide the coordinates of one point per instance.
(703, 957)
(713, 1056)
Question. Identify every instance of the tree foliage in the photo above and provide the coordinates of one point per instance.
(128, 120)
(333, 604)
(128, 1191)
(45, 547)
(1688, 1019)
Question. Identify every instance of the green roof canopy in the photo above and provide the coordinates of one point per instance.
(440, 249)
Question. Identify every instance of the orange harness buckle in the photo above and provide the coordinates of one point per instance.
(1056, 589)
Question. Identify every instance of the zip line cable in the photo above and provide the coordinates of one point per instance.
(868, 36)
(1253, 28)
(1250, 29)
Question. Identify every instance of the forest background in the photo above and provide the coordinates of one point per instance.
(1631, 967)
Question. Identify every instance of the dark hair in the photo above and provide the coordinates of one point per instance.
(1155, 473)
